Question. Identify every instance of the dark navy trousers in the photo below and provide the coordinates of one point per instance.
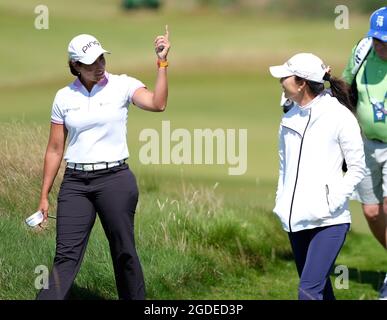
(113, 194)
(315, 251)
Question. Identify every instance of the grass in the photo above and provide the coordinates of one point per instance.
(188, 238)
(201, 234)
(193, 244)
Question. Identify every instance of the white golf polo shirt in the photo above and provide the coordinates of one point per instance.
(96, 120)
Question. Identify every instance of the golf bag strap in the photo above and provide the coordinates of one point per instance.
(361, 52)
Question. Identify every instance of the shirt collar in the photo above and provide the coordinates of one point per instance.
(101, 83)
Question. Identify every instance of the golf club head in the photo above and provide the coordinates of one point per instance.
(35, 219)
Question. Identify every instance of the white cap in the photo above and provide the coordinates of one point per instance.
(85, 48)
(304, 65)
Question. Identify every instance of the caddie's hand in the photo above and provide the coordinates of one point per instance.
(162, 45)
(43, 206)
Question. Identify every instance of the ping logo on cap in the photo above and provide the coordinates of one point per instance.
(89, 45)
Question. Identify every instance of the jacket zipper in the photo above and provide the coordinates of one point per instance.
(298, 167)
(327, 193)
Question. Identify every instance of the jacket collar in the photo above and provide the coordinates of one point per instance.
(298, 117)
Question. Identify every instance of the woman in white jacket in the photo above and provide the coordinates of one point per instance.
(312, 196)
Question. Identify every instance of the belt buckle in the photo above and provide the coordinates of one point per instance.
(88, 167)
(100, 166)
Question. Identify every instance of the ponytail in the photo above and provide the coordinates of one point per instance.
(339, 88)
(341, 91)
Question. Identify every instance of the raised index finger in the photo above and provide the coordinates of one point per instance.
(166, 31)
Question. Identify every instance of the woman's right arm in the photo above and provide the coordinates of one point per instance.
(52, 161)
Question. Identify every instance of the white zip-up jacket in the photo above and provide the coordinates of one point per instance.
(313, 142)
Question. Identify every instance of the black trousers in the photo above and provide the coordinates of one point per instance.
(113, 194)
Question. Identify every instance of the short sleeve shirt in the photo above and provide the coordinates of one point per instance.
(96, 121)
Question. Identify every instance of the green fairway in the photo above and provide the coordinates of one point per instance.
(218, 79)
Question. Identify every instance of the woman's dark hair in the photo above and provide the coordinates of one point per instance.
(340, 89)
(72, 69)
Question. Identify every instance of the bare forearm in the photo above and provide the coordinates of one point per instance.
(52, 163)
(160, 96)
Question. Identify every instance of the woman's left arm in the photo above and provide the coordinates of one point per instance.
(157, 100)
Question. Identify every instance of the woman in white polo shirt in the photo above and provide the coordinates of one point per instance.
(91, 114)
(312, 196)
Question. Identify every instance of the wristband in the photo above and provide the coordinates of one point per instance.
(162, 64)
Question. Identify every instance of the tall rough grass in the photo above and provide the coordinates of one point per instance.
(22, 150)
(191, 240)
